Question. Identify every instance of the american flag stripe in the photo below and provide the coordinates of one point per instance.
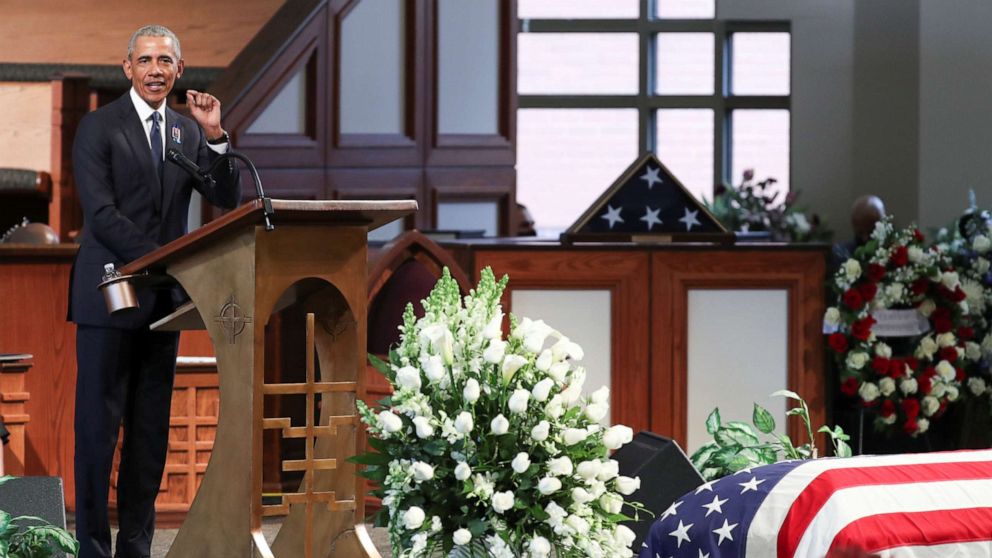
(809, 504)
(762, 534)
(980, 549)
(896, 530)
(855, 504)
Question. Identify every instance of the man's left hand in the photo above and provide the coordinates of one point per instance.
(205, 109)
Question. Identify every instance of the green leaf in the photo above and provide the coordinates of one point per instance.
(723, 457)
(736, 434)
(703, 454)
(435, 447)
(713, 422)
(787, 393)
(763, 420)
(740, 461)
(379, 364)
(370, 459)
(841, 448)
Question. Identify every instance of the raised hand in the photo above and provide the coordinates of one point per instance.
(205, 109)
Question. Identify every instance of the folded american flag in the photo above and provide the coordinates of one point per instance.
(931, 505)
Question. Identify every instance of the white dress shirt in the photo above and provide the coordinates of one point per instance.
(145, 114)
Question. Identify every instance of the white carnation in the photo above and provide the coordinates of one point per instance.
(946, 339)
(923, 425)
(929, 405)
(928, 347)
(981, 244)
(950, 279)
(856, 360)
(977, 385)
(462, 537)
(886, 386)
(927, 307)
(973, 350)
(408, 377)
(832, 316)
(946, 371)
(852, 270)
(908, 386)
(868, 392)
(953, 393)
(915, 254)
(883, 350)
(982, 266)
(502, 501)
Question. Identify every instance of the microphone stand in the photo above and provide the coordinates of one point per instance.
(266, 202)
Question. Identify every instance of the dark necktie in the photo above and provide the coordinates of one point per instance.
(156, 140)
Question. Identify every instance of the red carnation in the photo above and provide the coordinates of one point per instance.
(958, 295)
(911, 407)
(887, 408)
(838, 342)
(941, 319)
(900, 257)
(909, 427)
(861, 329)
(897, 368)
(950, 354)
(875, 272)
(918, 235)
(880, 364)
(920, 286)
(966, 333)
(912, 363)
(853, 299)
(925, 384)
(959, 374)
(868, 291)
(850, 387)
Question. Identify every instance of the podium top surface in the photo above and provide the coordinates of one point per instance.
(369, 213)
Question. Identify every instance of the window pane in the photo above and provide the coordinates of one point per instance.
(468, 67)
(566, 158)
(373, 72)
(577, 63)
(685, 146)
(684, 63)
(287, 112)
(686, 9)
(569, 9)
(761, 142)
(760, 63)
(468, 216)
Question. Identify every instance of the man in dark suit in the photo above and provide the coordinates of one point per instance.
(133, 202)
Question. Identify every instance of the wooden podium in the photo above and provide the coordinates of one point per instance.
(237, 275)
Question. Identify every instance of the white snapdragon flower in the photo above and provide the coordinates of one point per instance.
(832, 316)
(627, 485)
(886, 386)
(521, 463)
(471, 391)
(421, 471)
(463, 471)
(596, 411)
(408, 377)
(946, 371)
(462, 537)
(413, 518)
(608, 470)
(542, 389)
(616, 436)
(589, 470)
(548, 485)
(572, 436)
(541, 431)
(539, 547)
(464, 422)
(518, 401)
(389, 422)
(502, 501)
(424, 428)
(560, 466)
(929, 405)
(977, 385)
(852, 270)
(908, 386)
(494, 353)
(856, 360)
(611, 503)
(868, 392)
(499, 425)
(434, 368)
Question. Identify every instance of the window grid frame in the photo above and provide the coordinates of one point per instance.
(722, 102)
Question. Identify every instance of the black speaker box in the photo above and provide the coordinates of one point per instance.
(666, 474)
(36, 496)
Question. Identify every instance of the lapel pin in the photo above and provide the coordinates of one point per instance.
(177, 133)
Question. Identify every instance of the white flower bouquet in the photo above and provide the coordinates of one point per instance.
(487, 446)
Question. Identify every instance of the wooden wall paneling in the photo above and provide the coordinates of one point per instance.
(473, 184)
(308, 50)
(626, 275)
(676, 272)
(70, 102)
(34, 292)
(375, 150)
(383, 183)
(13, 398)
(475, 149)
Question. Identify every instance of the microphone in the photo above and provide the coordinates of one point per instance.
(177, 158)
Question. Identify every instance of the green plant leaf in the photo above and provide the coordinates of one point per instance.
(370, 459)
(787, 393)
(379, 364)
(841, 448)
(713, 422)
(737, 433)
(763, 420)
(703, 454)
(724, 456)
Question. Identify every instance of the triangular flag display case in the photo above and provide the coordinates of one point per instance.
(647, 204)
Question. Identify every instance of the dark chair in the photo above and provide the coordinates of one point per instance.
(23, 194)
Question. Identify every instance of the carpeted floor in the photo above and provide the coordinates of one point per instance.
(164, 537)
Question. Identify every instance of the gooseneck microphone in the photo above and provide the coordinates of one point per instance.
(206, 178)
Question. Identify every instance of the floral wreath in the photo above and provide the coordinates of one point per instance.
(895, 270)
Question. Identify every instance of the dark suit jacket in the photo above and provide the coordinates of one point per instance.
(127, 211)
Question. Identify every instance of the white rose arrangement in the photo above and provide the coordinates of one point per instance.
(487, 446)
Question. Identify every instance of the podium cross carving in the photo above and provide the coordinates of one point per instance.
(232, 319)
